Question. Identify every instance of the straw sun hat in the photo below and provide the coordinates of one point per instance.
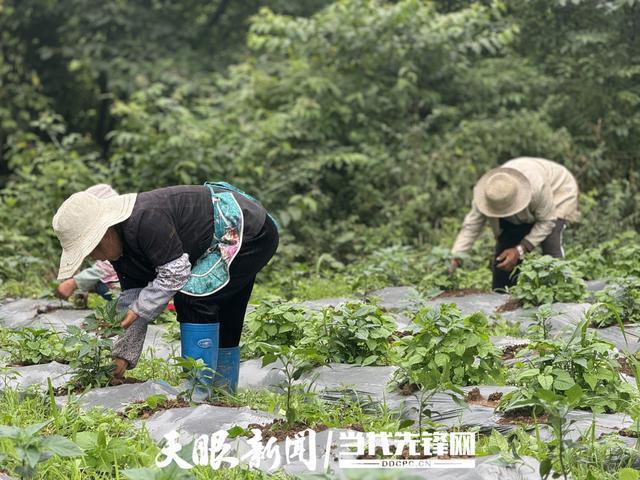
(502, 192)
(83, 219)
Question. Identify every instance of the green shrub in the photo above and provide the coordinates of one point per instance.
(33, 346)
(579, 368)
(543, 279)
(624, 260)
(618, 302)
(446, 337)
(275, 323)
(353, 332)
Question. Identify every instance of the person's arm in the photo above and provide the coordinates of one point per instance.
(543, 210)
(128, 346)
(88, 278)
(147, 303)
(153, 299)
(470, 231)
(84, 281)
(158, 239)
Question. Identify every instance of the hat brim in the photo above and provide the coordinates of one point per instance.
(522, 200)
(112, 211)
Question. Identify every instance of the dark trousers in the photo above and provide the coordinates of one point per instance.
(511, 236)
(229, 305)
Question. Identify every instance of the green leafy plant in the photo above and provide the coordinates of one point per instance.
(437, 276)
(105, 320)
(171, 332)
(618, 303)
(292, 362)
(33, 346)
(445, 337)
(102, 451)
(172, 472)
(275, 323)
(197, 374)
(590, 263)
(7, 375)
(152, 402)
(623, 257)
(543, 279)
(430, 381)
(388, 266)
(352, 332)
(541, 328)
(152, 367)
(92, 365)
(579, 368)
(29, 448)
(557, 408)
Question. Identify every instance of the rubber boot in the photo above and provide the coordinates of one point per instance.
(228, 369)
(200, 341)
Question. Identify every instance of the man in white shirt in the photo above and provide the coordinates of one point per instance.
(527, 202)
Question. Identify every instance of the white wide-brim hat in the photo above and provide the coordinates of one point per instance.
(502, 192)
(102, 190)
(81, 222)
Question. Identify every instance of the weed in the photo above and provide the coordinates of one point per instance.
(30, 448)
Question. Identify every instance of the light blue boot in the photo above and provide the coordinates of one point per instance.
(200, 341)
(228, 369)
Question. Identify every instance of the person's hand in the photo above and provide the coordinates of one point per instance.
(508, 259)
(66, 289)
(454, 265)
(117, 374)
(128, 319)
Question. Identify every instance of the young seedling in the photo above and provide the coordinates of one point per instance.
(294, 362)
(557, 408)
(152, 402)
(105, 320)
(566, 367)
(444, 336)
(276, 323)
(197, 374)
(8, 375)
(541, 327)
(431, 381)
(30, 448)
(92, 366)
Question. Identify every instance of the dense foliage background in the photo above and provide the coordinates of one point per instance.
(361, 124)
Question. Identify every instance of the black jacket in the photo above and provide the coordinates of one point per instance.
(168, 222)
